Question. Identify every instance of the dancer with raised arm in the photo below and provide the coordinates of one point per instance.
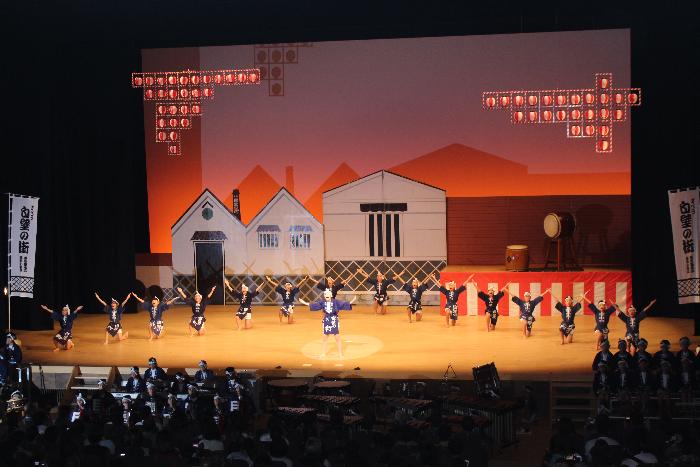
(288, 294)
(568, 311)
(380, 285)
(451, 293)
(328, 283)
(415, 290)
(527, 307)
(245, 297)
(602, 318)
(63, 340)
(199, 305)
(114, 310)
(331, 318)
(491, 299)
(632, 320)
(156, 325)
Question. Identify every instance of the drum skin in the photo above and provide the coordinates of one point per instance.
(517, 258)
(559, 225)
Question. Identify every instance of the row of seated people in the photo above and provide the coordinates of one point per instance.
(178, 383)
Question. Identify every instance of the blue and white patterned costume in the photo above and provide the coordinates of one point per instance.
(331, 310)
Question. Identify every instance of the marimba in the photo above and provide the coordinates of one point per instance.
(499, 412)
(286, 391)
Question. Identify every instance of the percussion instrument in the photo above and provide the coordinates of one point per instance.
(559, 225)
(499, 412)
(517, 258)
(348, 420)
(15, 404)
(287, 390)
(332, 400)
(332, 384)
(295, 410)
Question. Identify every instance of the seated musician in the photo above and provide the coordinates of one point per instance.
(687, 379)
(152, 399)
(154, 372)
(135, 383)
(179, 383)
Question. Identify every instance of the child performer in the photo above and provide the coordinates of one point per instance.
(245, 297)
(415, 291)
(451, 296)
(380, 285)
(199, 305)
(491, 300)
(63, 340)
(527, 308)
(568, 312)
(156, 326)
(632, 320)
(288, 293)
(114, 310)
(602, 318)
(330, 284)
(331, 322)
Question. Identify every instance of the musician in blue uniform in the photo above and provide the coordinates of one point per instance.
(623, 354)
(198, 304)
(288, 293)
(331, 284)
(156, 326)
(12, 356)
(381, 292)
(568, 312)
(452, 293)
(604, 355)
(602, 318)
(490, 299)
(685, 352)
(331, 308)
(415, 290)
(642, 352)
(203, 374)
(245, 297)
(152, 399)
(114, 310)
(63, 340)
(527, 308)
(153, 372)
(135, 383)
(632, 320)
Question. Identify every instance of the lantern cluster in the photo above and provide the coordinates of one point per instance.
(178, 97)
(587, 113)
(271, 60)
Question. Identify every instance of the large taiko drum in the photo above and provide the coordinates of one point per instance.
(559, 225)
(517, 258)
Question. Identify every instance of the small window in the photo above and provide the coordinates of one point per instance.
(300, 237)
(268, 237)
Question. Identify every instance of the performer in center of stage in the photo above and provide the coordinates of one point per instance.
(245, 298)
(288, 293)
(156, 326)
(380, 285)
(527, 308)
(491, 300)
(602, 318)
(329, 284)
(198, 304)
(451, 294)
(632, 320)
(114, 310)
(63, 340)
(568, 312)
(331, 308)
(415, 290)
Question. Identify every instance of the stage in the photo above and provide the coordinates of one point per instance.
(381, 346)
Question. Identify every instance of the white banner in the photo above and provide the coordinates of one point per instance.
(23, 215)
(685, 221)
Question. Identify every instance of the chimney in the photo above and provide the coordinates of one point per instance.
(289, 178)
(237, 203)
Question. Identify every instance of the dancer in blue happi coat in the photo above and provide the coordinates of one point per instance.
(288, 293)
(568, 310)
(198, 305)
(602, 318)
(381, 293)
(245, 299)
(155, 308)
(452, 293)
(632, 320)
(415, 290)
(527, 308)
(114, 310)
(490, 299)
(63, 340)
(331, 308)
(328, 283)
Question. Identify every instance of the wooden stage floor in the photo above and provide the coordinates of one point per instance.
(381, 346)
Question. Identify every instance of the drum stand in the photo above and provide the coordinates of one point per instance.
(565, 256)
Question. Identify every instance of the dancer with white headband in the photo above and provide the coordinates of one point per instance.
(114, 310)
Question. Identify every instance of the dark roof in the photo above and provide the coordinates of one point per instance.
(208, 235)
(389, 172)
(300, 228)
(268, 228)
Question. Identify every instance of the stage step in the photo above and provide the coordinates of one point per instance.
(573, 400)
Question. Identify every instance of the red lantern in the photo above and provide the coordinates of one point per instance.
(604, 98)
(172, 109)
(604, 83)
(619, 114)
(162, 109)
(532, 100)
(632, 98)
(161, 136)
(547, 100)
(604, 130)
(532, 116)
(138, 81)
(561, 99)
(161, 81)
(173, 136)
(206, 79)
(172, 80)
(207, 92)
(490, 102)
(172, 149)
(619, 98)
(173, 122)
(576, 99)
(590, 130)
(148, 93)
(590, 114)
(241, 77)
(561, 115)
(184, 93)
(590, 98)
(253, 77)
(575, 130)
(604, 114)
(194, 79)
(505, 101)
(195, 92)
(218, 78)
(184, 109)
(185, 122)
(229, 77)
(161, 122)
(519, 100)
(149, 80)
(575, 114)
(604, 145)
(547, 115)
(172, 93)
(518, 116)
(184, 80)
(196, 109)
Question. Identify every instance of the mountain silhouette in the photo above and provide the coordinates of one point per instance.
(341, 175)
(256, 189)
